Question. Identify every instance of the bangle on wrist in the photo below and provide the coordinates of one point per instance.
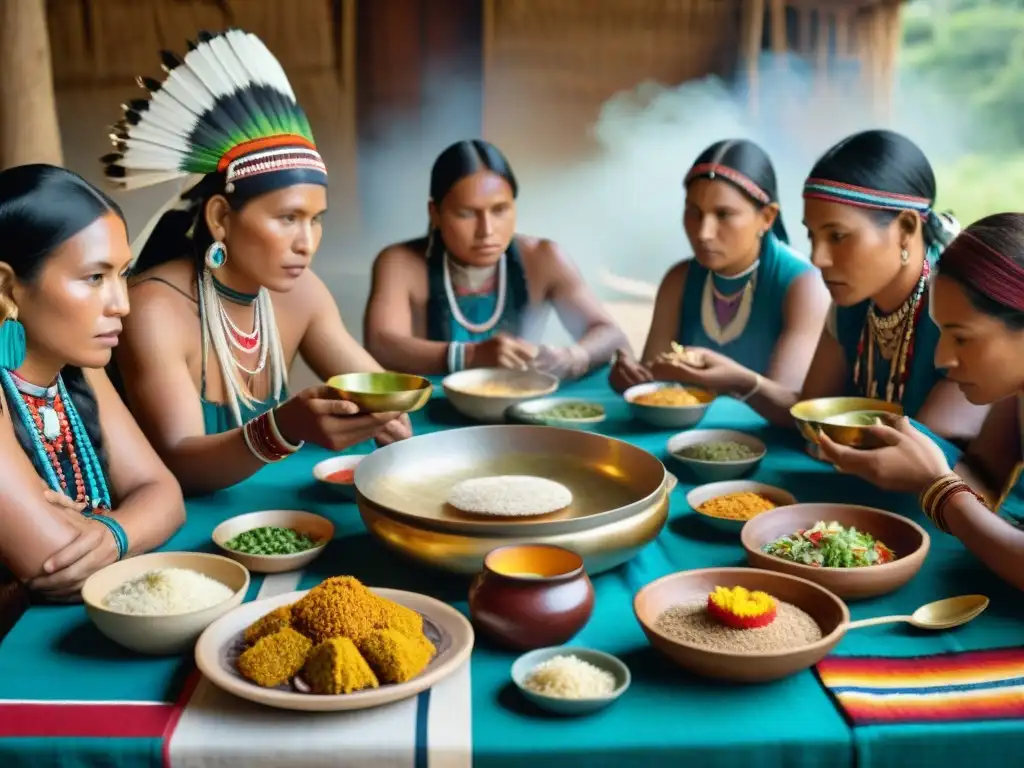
(936, 497)
(276, 433)
(116, 530)
(456, 356)
(752, 391)
(259, 439)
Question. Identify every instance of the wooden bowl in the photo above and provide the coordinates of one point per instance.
(161, 635)
(316, 527)
(703, 493)
(715, 471)
(324, 469)
(382, 391)
(906, 538)
(828, 610)
(464, 391)
(668, 416)
(842, 419)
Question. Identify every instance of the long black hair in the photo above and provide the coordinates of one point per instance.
(462, 159)
(42, 207)
(752, 165)
(891, 163)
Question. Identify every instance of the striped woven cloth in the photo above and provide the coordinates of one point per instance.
(942, 688)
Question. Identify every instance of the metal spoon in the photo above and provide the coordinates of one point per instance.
(942, 614)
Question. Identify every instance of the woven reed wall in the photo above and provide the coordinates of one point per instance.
(570, 56)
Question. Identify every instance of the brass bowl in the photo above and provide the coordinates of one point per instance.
(839, 417)
(383, 391)
(602, 548)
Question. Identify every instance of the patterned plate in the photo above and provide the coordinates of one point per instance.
(219, 646)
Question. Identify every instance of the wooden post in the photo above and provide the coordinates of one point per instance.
(753, 31)
(28, 112)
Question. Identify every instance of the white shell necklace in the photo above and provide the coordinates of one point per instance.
(453, 303)
(47, 414)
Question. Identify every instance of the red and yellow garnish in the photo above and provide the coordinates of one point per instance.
(740, 608)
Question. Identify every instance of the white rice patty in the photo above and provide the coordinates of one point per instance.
(509, 496)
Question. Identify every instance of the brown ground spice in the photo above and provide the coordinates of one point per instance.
(690, 623)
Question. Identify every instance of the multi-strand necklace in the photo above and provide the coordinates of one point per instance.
(225, 336)
(893, 335)
(60, 440)
(482, 276)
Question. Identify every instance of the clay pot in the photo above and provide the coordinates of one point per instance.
(531, 596)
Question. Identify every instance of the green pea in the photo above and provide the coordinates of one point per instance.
(271, 540)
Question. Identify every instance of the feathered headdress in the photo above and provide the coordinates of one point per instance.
(227, 113)
(227, 107)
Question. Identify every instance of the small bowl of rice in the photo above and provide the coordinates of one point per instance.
(570, 680)
(668, 405)
(160, 603)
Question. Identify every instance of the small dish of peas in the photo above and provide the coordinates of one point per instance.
(274, 541)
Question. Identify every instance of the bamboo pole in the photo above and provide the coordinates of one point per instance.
(29, 132)
(891, 22)
(754, 31)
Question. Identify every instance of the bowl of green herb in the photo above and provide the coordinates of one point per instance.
(714, 455)
(557, 412)
(274, 541)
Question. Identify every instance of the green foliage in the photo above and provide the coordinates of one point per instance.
(971, 54)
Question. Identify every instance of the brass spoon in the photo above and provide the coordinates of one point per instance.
(942, 614)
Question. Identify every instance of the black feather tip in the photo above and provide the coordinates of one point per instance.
(115, 171)
(170, 60)
(149, 84)
(136, 105)
(133, 117)
(204, 36)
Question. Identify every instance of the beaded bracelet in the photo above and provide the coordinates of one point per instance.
(937, 496)
(456, 356)
(116, 529)
(260, 440)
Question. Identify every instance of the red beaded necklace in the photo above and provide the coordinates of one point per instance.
(63, 443)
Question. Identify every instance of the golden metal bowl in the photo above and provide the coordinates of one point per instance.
(844, 419)
(402, 493)
(383, 392)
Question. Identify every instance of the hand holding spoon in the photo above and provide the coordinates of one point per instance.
(942, 614)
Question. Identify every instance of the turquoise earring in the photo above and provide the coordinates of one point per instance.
(12, 344)
(216, 255)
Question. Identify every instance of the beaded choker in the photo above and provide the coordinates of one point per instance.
(230, 294)
(894, 335)
(59, 439)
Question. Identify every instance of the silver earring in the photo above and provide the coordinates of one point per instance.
(904, 256)
(216, 255)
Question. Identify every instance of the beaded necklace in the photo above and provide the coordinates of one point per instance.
(894, 335)
(499, 306)
(67, 439)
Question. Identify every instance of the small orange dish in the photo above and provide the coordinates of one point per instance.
(339, 472)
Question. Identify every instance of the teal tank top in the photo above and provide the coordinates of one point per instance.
(746, 327)
(1010, 505)
(847, 323)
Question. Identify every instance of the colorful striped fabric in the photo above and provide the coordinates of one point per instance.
(942, 688)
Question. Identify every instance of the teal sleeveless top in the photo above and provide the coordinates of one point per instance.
(477, 309)
(846, 324)
(741, 317)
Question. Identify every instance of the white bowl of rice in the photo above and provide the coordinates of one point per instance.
(160, 603)
(484, 394)
(570, 680)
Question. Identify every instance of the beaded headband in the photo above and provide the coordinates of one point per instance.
(863, 197)
(711, 170)
(978, 265)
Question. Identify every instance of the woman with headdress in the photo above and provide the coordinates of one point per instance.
(224, 299)
(473, 293)
(977, 302)
(63, 427)
(746, 297)
(868, 208)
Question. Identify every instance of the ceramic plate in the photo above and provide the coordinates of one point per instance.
(221, 643)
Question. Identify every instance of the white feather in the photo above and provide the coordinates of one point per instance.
(233, 68)
(185, 114)
(140, 180)
(205, 67)
(150, 158)
(145, 133)
(265, 62)
(186, 89)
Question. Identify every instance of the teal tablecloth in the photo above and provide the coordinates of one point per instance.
(54, 654)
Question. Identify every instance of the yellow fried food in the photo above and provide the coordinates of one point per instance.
(342, 607)
(275, 659)
(396, 657)
(275, 621)
(336, 666)
(677, 397)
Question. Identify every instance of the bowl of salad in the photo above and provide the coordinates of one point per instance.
(855, 552)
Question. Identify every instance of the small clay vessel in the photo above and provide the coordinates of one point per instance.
(531, 596)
